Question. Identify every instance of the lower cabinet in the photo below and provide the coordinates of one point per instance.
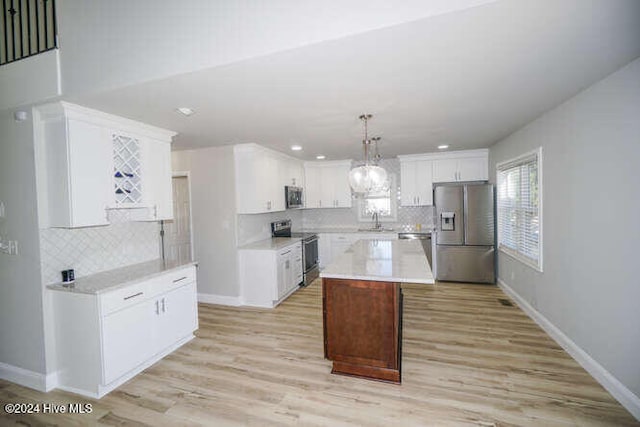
(269, 276)
(105, 339)
(363, 327)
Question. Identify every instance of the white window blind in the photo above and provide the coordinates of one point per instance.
(519, 208)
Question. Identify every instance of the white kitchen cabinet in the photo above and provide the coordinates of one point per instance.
(88, 162)
(327, 184)
(268, 275)
(416, 187)
(157, 191)
(471, 165)
(77, 168)
(104, 339)
(261, 175)
(324, 249)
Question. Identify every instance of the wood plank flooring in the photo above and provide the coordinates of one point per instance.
(467, 360)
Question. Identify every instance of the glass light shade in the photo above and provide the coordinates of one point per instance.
(367, 178)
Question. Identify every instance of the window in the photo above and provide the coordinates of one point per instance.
(520, 208)
(382, 202)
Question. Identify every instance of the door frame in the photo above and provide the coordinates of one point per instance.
(186, 174)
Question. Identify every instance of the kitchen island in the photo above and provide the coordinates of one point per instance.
(362, 306)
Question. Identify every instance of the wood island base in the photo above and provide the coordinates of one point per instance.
(363, 328)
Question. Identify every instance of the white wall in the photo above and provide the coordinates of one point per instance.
(30, 80)
(590, 287)
(213, 210)
(21, 304)
(108, 44)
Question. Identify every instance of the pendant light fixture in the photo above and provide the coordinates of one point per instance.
(368, 177)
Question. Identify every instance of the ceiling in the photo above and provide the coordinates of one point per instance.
(467, 78)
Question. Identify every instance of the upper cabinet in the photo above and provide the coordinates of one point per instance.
(418, 173)
(89, 162)
(327, 184)
(469, 165)
(261, 175)
(416, 182)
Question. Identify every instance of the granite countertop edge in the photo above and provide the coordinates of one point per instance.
(138, 273)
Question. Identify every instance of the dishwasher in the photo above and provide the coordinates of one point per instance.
(425, 239)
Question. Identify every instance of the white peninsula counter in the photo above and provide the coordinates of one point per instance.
(362, 306)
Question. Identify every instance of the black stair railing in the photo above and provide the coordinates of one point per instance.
(27, 27)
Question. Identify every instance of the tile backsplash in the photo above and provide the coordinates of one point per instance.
(94, 249)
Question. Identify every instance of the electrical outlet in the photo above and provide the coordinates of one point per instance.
(513, 275)
(1, 210)
(13, 247)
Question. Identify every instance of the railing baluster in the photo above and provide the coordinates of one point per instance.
(46, 25)
(55, 23)
(6, 37)
(37, 25)
(19, 39)
(21, 29)
(29, 25)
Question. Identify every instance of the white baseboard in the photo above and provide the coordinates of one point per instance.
(23, 377)
(618, 390)
(220, 299)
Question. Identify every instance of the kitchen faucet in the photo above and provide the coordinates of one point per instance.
(376, 221)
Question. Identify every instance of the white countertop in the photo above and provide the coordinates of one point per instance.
(348, 230)
(113, 279)
(382, 260)
(272, 244)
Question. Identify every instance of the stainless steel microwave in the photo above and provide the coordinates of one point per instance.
(293, 196)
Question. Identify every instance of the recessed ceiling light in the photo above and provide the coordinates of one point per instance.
(185, 111)
(320, 157)
(443, 147)
(296, 147)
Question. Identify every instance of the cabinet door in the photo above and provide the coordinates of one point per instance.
(445, 170)
(284, 272)
(424, 183)
(178, 316)
(327, 187)
(156, 176)
(473, 169)
(324, 249)
(90, 174)
(128, 339)
(340, 186)
(408, 182)
(312, 191)
(252, 195)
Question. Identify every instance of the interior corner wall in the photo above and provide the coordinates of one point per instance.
(590, 288)
(213, 211)
(21, 303)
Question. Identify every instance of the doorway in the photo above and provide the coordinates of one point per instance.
(177, 232)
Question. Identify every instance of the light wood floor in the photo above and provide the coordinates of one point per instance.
(467, 360)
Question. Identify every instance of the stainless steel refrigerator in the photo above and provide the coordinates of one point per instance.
(465, 238)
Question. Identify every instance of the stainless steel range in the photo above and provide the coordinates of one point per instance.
(309, 248)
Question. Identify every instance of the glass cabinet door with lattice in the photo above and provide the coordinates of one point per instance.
(127, 170)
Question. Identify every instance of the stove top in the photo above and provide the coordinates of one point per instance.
(304, 236)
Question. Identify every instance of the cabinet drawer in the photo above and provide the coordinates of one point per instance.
(124, 297)
(172, 280)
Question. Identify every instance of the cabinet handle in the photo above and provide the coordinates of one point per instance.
(180, 279)
(157, 308)
(133, 296)
(164, 306)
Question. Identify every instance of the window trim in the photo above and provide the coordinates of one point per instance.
(501, 166)
(394, 203)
